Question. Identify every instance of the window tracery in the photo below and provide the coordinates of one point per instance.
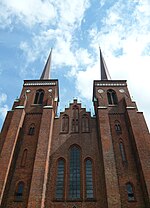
(118, 127)
(74, 173)
(60, 179)
(75, 119)
(65, 123)
(85, 123)
(112, 97)
(89, 179)
(31, 129)
(39, 97)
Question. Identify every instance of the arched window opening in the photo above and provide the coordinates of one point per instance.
(24, 157)
(85, 123)
(65, 123)
(31, 129)
(89, 179)
(122, 151)
(19, 191)
(39, 97)
(112, 97)
(118, 127)
(130, 192)
(75, 120)
(60, 179)
(74, 173)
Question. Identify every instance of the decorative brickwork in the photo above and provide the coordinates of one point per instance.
(74, 160)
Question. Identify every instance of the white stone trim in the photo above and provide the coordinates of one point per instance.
(39, 83)
(110, 84)
(130, 107)
(48, 107)
(16, 100)
(20, 107)
(102, 107)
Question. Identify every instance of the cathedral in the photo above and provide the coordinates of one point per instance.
(75, 160)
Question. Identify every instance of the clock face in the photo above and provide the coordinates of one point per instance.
(121, 90)
(50, 90)
(100, 91)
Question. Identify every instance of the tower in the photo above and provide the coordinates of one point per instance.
(74, 160)
(125, 143)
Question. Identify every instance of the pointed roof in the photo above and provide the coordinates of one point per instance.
(46, 70)
(104, 70)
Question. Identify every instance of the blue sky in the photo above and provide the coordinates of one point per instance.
(75, 29)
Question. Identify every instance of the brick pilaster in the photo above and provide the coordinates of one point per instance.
(9, 146)
(41, 164)
(141, 140)
(111, 178)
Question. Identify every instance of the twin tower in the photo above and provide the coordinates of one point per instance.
(75, 160)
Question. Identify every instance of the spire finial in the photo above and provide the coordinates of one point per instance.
(46, 71)
(104, 71)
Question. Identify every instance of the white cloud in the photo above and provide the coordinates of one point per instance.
(28, 12)
(31, 12)
(123, 36)
(3, 107)
(3, 98)
(71, 12)
(84, 81)
(68, 17)
(125, 44)
(83, 57)
(30, 55)
(1, 69)
(102, 2)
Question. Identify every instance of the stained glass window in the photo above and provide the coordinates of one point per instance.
(89, 179)
(74, 177)
(60, 179)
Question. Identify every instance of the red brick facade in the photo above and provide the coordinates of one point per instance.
(111, 150)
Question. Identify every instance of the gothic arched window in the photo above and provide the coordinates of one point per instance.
(85, 123)
(112, 97)
(74, 173)
(39, 97)
(118, 127)
(89, 179)
(75, 120)
(31, 129)
(19, 191)
(65, 123)
(130, 192)
(122, 151)
(24, 157)
(60, 179)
